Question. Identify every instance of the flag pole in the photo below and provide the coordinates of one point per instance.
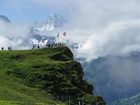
(65, 34)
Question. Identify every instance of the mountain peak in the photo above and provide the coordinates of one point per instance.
(4, 19)
(53, 21)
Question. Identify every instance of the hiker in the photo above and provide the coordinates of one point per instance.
(49, 45)
(9, 48)
(33, 47)
(2, 48)
(38, 46)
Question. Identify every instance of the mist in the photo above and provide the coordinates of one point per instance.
(14, 35)
(115, 77)
(119, 38)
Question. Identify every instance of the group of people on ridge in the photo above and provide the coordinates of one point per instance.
(49, 45)
(9, 48)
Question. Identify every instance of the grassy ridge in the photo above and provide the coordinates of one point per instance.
(13, 88)
(43, 76)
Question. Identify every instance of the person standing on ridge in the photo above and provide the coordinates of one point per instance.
(2, 48)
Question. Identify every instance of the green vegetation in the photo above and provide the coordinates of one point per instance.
(43, 77)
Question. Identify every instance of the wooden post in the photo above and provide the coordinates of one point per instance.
(69, 100)
(79, 102)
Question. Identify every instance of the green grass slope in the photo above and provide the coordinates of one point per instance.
(43, 77)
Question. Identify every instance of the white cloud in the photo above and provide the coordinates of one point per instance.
(5, 42)
(118, 38)
(14, 35)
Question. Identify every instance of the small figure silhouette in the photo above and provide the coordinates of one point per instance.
(2, 48)
(9, 48)
(38, 46)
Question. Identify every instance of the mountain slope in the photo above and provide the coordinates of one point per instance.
(45, 76)
(115, 77)
(4, 19)
(133, 100)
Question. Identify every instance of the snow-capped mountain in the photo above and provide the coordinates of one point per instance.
(53, 21)
(41, 31)
(42, 40)
(4, 19)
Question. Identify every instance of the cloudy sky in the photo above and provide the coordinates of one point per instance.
(103, 26)
(97, 10)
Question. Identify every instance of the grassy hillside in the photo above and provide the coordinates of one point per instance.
(43, 77)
